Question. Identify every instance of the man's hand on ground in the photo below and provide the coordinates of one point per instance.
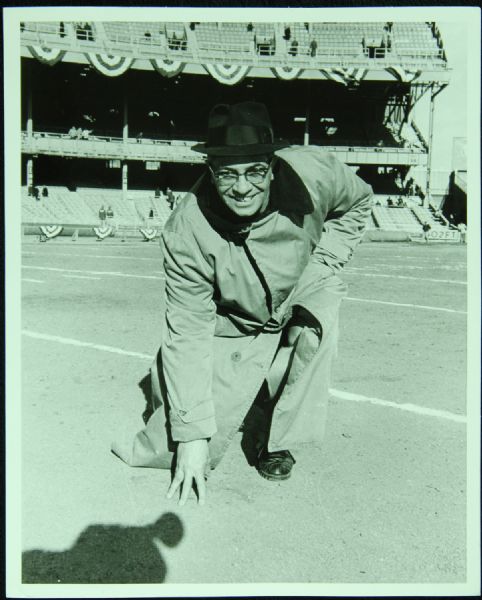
(192, 459)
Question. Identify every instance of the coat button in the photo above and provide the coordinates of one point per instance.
(236, 356)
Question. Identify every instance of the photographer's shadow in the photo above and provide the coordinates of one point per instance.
(107, 554)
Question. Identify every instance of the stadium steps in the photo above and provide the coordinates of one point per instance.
(425, 215)
(396, 219)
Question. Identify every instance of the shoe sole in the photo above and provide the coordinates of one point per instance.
(274, 477)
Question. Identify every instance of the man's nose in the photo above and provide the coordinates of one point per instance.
(242, 185)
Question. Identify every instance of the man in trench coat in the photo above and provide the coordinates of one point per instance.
(251, 257)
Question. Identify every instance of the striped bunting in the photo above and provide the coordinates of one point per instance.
(227, 74)
(402, 75)
(287, 73)
(349, 76)
(109, 65)
(103, 232)
(166, 67)
(51, 231)
(355, 75)
(148, 232)
(47, 56)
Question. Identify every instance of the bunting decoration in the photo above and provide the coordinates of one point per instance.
(109, 65)
(103, 231)
(404, 75)
(47, 56)
(355, 75)
(336, 75)
(287, 73)
(166, 67)
(346, 76)
(112, 66)
(51, 231)
(149, 233)
(228, 74)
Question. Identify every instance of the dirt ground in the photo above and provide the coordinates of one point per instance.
(381, 500)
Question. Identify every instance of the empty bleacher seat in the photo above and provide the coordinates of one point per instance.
(396, 219)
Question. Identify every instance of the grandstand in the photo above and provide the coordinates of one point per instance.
(95, 138)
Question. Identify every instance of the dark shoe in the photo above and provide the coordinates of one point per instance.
(275, 466)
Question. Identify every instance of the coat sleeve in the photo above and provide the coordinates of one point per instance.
(346, 203)
(187, 342)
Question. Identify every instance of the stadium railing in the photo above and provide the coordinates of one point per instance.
(110, 147)
(338, 44)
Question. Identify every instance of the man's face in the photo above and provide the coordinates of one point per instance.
(242, 182)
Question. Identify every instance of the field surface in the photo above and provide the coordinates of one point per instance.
(381, 500)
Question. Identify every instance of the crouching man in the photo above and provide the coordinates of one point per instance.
(251, 258)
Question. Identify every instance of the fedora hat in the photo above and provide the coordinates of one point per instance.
(239, 130)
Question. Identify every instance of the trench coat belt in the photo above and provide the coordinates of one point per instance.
(274, 325)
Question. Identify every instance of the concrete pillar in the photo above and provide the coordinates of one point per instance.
(125, 120)
(29, 172)
(426, 200)
(124, 179)
(306, 136)
(29, 114)
(125, 135)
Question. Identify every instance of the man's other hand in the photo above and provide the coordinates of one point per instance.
(192, 460)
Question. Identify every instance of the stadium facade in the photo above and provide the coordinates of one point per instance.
(110, 111)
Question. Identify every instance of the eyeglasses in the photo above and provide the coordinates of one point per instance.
(227, 178)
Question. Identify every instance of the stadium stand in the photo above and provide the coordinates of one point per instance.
(426, 215)
(205, 41)
(81, 208)
(396, 219)
(355, 97)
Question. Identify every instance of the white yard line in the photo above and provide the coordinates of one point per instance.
(80, 277)
(413, 408)
(408, 407)
(82, 255)
(32, 280)
(436, 308)
(160, 277)
(392, 267)
(73, 342)
(112, 273)
(46, 247)
(350, 272)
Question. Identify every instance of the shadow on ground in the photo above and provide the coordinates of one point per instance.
(107, 554)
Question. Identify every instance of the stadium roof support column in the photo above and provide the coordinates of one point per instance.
(125, 120)
(306, 137)
(29, 173)
(125, 136)
(434, 91)
(29, 114)
(125, 172)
